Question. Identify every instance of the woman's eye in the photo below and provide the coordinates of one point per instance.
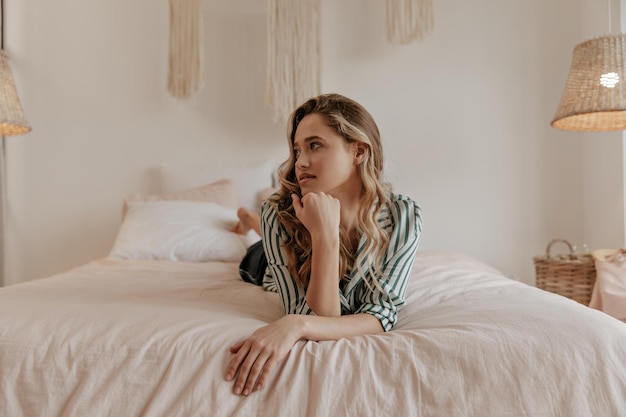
(315, 145)
(296, 153)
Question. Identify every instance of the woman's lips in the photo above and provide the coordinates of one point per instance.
(305, 178)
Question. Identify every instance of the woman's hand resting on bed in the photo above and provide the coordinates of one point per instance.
(256, 356)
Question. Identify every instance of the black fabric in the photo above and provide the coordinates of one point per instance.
(253, 265)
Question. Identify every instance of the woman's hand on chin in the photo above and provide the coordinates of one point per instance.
(256, 356)
(320, 213)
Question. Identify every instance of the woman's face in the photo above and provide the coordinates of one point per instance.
(325, 162)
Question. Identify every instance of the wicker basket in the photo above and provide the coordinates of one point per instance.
(571, 275)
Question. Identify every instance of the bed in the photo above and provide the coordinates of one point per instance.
(145, 331)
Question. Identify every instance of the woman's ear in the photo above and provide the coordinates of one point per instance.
(360, 152)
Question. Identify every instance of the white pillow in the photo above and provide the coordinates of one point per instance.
(249, 179)
(182, 230)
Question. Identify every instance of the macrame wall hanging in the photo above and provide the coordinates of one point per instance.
(185, 69)
(409, 20)
(293, 54)
(293, 46)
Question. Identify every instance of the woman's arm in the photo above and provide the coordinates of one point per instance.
(320, 214)
(291, 294)
(333, 328)
(322, 294)
(256, 356)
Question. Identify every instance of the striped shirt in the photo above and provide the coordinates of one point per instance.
(400, 219)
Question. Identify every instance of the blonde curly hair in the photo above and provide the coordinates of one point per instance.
(355, 124)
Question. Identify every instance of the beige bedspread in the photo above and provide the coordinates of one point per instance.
(150, 338)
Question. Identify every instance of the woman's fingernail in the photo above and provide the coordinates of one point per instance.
(229, 377)
(237, 390)
(246, 392)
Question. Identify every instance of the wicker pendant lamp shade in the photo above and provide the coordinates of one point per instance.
(12, 120)
(594, 99)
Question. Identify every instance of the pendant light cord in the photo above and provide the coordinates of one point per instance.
(610, 30)
(1, 24)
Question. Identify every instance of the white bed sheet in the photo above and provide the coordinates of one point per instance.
(150, 338)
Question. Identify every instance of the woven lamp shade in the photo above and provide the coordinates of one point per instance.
(594, 99)
(12, 120)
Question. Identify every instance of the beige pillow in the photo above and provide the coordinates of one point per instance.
(220, 192)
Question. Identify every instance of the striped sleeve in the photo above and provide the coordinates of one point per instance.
(292, 296)
(268, 281)
(386, 297)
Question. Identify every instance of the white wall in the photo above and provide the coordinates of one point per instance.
(464, 115)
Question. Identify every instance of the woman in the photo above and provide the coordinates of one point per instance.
(339, 245)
